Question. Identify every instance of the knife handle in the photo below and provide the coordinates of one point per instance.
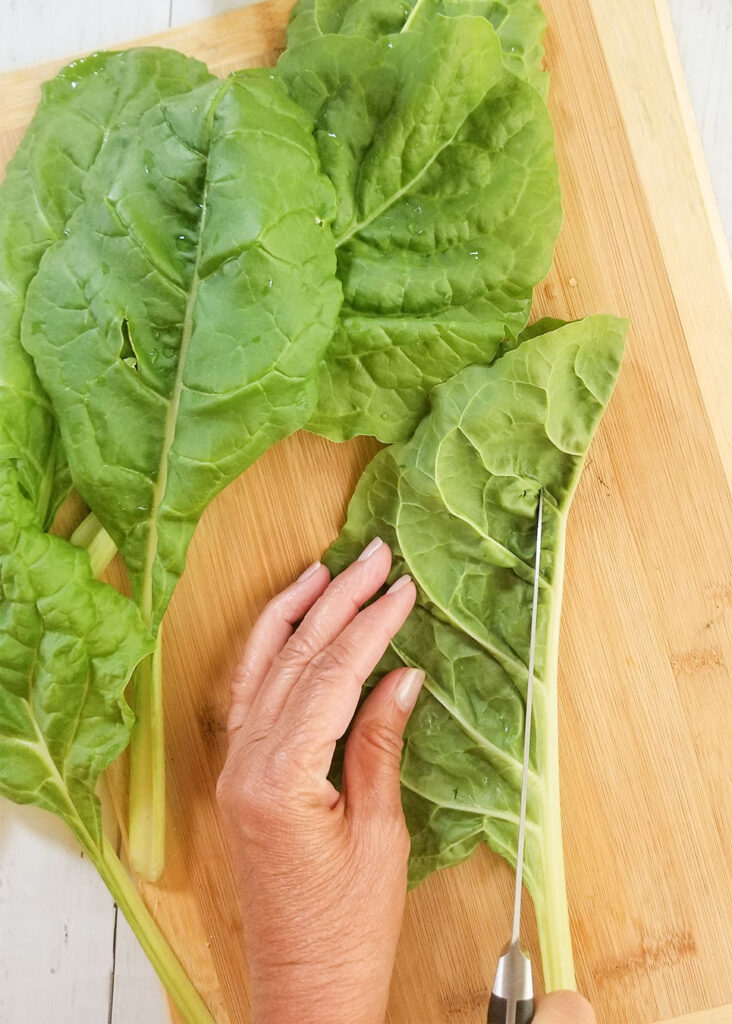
(498, 1010)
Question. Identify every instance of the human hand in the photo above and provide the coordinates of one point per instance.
(563, 1008)
(321, 875)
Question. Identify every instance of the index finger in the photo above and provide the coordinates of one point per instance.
(322, 703)
(269, 635)
(327, 618)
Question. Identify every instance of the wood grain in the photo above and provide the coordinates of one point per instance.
(647, 79)
(645, 702)
(717, 1015)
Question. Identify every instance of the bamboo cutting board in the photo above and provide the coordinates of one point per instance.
(645, 696)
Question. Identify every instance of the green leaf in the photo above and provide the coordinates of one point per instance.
(542, 326)
(178, 323)
(44, 184)
(520, 25)
(457, 505)
(448, 208)
(68, 645)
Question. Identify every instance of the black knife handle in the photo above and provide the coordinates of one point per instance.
(497, 1008)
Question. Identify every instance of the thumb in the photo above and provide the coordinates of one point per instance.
(564, 1008)
(374, 748)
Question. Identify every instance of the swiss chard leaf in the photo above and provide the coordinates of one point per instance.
(457, 504)
(448, 208)
(68, 645)
(542, 326)
(178, 323)
(79, 112)
(520, 25)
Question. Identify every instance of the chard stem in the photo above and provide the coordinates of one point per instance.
(90, 534)
(550, 903)
(147, 768)
(168, 967)
(552, 912)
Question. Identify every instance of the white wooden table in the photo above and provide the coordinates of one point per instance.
(65, 955)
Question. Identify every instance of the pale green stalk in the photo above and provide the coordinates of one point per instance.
(550, 901)
(161, 956)
(147, 748)
(100, 547)
(147, 768)
(169, 969)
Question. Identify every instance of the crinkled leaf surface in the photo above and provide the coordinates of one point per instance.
(178, 323)
(520, 25)
(457, 504)
(68, 645)
(79, 112)
(448, 208)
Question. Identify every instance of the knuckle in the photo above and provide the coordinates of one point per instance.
(383, 737)
(242, 782)
(223, 792)
(262, 785)
(245, 795)
(272, 610)
(239, 678)
(277, 604)
(232, 792)
(242, 671)
(257, 802)
(333, 661)
(299, 650)
(342, 593)
(286, 773)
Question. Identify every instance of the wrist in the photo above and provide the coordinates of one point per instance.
(304, 994)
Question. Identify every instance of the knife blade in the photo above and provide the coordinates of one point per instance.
(512, 996)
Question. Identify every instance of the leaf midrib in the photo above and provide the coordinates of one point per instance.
(444, 495)
(173, 402)
(357, 228)
(473, 734)
(412, 14)
(504, 659)
(72, 816)
(483, 812)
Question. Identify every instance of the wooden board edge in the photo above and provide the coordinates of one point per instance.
(266, 19)
(716, 1015)
(650, 88)
(693, 138)
(653, 99)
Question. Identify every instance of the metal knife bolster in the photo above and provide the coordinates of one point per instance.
(512, 998)
(499, 1013)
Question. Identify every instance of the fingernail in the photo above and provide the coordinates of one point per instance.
(408, 687)
(310, 571)
(401, 582)
(369, 549)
